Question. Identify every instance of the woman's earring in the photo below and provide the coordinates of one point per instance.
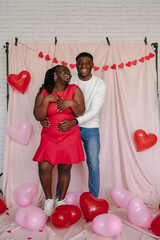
(55, 78)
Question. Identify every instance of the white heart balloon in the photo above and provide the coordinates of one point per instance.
(25, 193)
(31, 218)
(20, 133)
(121, 196)
(107, 225)
(73, 198)
(138, 214)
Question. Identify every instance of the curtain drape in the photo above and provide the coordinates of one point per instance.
(130, 104)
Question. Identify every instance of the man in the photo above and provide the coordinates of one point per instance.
(94, 90)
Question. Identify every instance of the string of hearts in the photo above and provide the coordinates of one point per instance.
(96, 68)
(106, 67)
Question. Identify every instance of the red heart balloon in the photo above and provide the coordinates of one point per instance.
(91, 206)
(20, 82)
(3, 206)
(155, 225)
(143, 140)
(65, 215)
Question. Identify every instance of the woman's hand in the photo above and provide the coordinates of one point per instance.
(53, 98)
(64, 104)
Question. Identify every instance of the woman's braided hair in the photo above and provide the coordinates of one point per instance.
(49, 80)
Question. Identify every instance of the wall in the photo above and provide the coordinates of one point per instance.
(72, 21)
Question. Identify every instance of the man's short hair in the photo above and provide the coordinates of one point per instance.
(84, 54)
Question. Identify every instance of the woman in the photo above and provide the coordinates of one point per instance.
(58, 100)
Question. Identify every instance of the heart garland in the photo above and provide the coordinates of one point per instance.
(106, 67)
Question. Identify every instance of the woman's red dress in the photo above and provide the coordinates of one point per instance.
(59, 147)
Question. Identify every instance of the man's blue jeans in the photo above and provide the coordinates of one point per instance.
(91, 141)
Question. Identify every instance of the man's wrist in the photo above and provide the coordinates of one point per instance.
(76, 121)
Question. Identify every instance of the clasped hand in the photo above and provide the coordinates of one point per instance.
(62, 126)
(65, 125)
(63, 104)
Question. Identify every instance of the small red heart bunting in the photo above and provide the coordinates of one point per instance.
(55, 60)
(134, 62)
(151, 55)
(72, 65)
(96, 68)
(64, 63)
(47, 57)
(121, 65)
(113, 66)
(141, 59)
(128, 64)
(147, 57)
(105, 67)
(40, 55)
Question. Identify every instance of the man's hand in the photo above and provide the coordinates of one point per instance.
(45, 123)
(66, 125)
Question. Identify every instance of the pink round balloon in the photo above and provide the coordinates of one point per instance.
(72, 198)
(121, 197)
(138, 214)
(20, 133)
(107, 225)
(25, 193)
(31, 218)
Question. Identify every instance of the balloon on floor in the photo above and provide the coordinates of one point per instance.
(31, 218)
(107, 225)
(65, 215)
(3, 206)
(91, 206)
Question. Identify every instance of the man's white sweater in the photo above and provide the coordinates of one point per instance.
(94, 93)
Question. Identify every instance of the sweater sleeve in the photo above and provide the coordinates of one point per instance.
(95, 105)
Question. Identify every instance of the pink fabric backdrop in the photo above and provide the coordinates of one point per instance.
(130, 104)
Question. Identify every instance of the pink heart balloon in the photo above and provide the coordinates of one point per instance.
(138, 214)
(107, 225)
(20, 133)
(25, 193)
(121, 197)
(31, 218)
(72, 198)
